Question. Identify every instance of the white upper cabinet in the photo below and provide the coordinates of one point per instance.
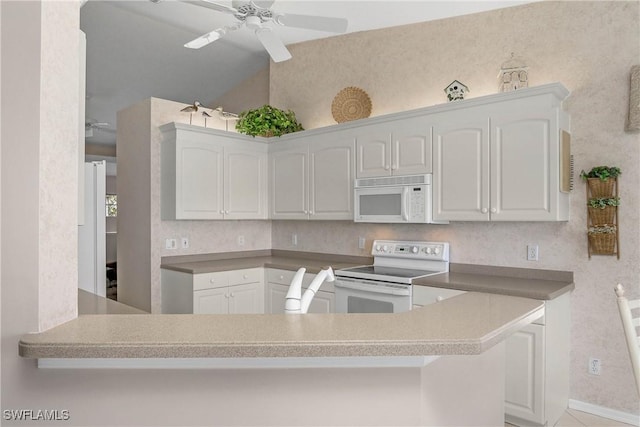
(501, 157)
(401, 147)
(245, 179)
(289, 178)
(312, 178)
(501, 161)
(210, 174)
(331, 175)
(461, 167)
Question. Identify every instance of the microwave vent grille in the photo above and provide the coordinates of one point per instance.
(394, 180)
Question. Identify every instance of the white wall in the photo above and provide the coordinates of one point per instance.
(590, 48)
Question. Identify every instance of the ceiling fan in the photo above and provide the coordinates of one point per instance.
(89, 127)
(254, 15)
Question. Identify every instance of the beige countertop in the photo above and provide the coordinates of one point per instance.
(467, 324)
(521, 282)
(286, 260)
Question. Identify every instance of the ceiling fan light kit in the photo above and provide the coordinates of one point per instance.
(254, 14)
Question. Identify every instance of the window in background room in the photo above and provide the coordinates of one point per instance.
(112, 205)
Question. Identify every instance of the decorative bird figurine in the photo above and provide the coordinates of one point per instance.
(193, 109)
(205, 115)
(226, 116)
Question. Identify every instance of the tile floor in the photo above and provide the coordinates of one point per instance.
(573, 418)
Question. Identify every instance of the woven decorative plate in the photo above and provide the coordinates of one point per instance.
(351, 103)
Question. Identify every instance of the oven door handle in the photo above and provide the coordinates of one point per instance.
(376, 289)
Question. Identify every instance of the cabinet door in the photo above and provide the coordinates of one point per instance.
(522, 153)
(331, 169)
(211, 301)
(461, 167)
(275, 298)
(411, 147)
(524, 392)
(322, 302)
(198, 180)
(245, 183)
(373, 153)
(289, 183)
(246, 299)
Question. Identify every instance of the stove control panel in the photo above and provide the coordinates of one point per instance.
(411, 250)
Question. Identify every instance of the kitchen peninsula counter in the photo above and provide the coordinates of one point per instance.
(468, 324)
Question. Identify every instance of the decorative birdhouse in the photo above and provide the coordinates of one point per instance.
(513, 75)
(456, 91)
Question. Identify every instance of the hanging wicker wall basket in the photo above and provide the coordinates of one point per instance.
(351, 103)
(602, 244)
(600, 216)
(601, 188)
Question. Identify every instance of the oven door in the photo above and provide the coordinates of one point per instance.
(370, 296)
(381, 204)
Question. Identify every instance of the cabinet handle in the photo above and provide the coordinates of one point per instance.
(281, 277)
(212, 281)
(244, 276)
(386, 167)
(306, 212)
(484, 210)
(226, 295)
(232, 295)
(222, 212)
(494, 210)
(226, 212)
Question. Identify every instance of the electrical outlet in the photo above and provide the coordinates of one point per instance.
(185, 242)
(594, 366)
(532, 252)
(240, 240)
(170, 244)
(294, 239)
(361, 242)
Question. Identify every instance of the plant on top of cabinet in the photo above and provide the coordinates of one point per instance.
(268, 121)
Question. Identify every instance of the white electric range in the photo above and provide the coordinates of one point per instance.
(385, 286)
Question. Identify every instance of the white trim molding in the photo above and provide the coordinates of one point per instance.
(601, 411)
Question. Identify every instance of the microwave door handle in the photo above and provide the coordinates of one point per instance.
(405, 204)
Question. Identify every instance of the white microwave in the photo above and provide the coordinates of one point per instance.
(395, 199)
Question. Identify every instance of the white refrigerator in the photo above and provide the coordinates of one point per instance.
(91, 235)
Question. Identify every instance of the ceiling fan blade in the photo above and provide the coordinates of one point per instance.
(205, 39)
(277, 50)
(214, 6)
(320, 23)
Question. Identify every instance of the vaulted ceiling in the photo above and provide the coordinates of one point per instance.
(135, 48)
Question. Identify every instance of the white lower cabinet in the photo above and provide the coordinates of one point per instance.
(525, 382)
(537, 372)
(277, 286)
(225, 292)
(537, 361)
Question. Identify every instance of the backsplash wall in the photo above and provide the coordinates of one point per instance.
(590, 48)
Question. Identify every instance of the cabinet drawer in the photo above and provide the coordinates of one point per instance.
(249, 275)
(282, 277)
(210, 280)
(425, 295)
